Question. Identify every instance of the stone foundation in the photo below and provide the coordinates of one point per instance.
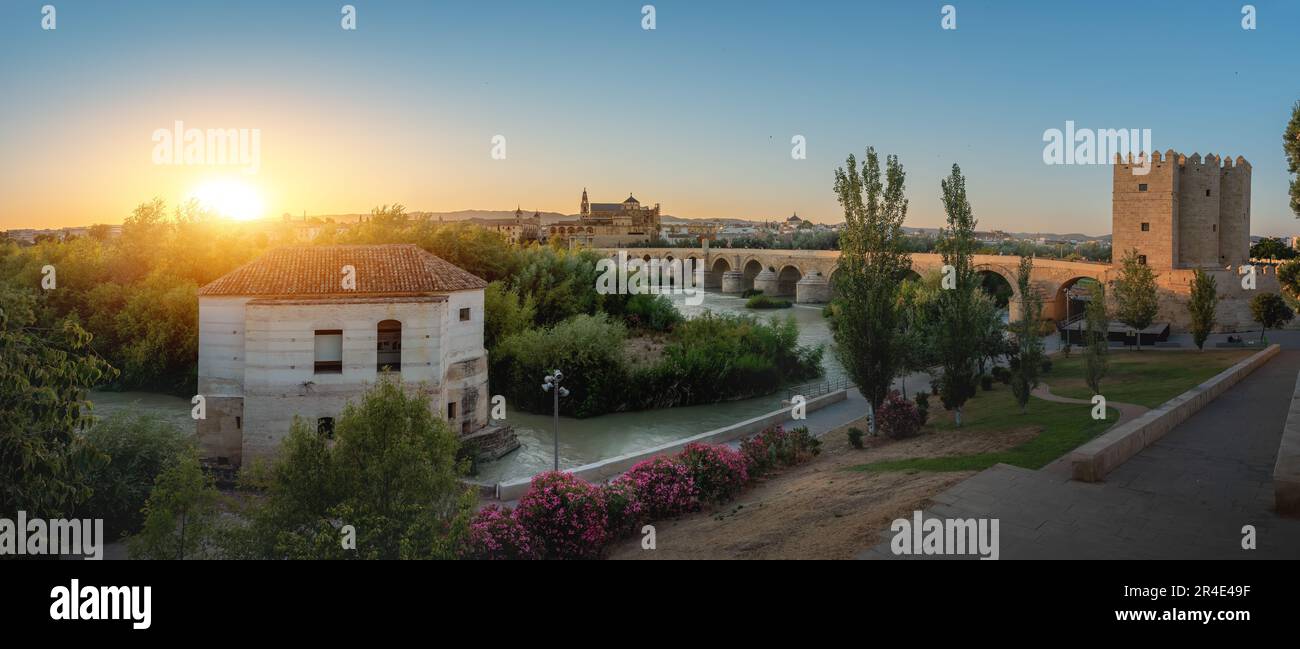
(813, 289)
(733, 281)
(768, 283)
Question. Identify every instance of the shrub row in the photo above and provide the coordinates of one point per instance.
(562, 516)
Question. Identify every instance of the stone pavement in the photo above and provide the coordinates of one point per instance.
(1186, 496)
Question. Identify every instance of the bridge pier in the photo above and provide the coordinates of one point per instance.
(733, 281)
(767, 282)
(813, 289)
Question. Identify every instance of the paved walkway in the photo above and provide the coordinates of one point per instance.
(1186, 496)
(1127, 411)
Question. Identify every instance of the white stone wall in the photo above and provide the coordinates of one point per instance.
(221, 346)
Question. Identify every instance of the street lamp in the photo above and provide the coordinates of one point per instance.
(550, 381)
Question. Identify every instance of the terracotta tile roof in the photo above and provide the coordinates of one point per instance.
(387, 269)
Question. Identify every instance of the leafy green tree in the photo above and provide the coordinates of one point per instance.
(1026, 333)
(1288, 275)
(1135, 294)
(45, 460)
(391, 473)
(1291, 146)
(1202, 305)
(505, 313)
(139, 446)
(1270, 310)
(1272, 248)
(1096, 338)
(958, 337)
(867, 326)
(180, 515)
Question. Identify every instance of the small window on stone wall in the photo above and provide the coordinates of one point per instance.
(325, 427)
(1142, 187)
(329, 351)
(1146, 227)
(1142, 259)
(451, 410)
(1214, 227)
(1207, 192)
(464, 314)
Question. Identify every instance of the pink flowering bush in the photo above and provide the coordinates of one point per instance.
(623, 508)
(898, 417)
(665, 487)
(565, 516)
(719, 472)
(495, 533)
(776, 447)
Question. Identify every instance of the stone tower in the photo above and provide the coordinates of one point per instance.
(585, 207)
(1185, 212)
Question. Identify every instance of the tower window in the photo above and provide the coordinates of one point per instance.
(1207, 192)
(325, 427)
(1214, 227)
(329, 351)
(1142, 259)
(1142, 187)
(1146, 227)
(451, 410)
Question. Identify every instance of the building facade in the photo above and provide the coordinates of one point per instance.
(1186, 212)
(519, 231)
(608, 224)
(302, 330)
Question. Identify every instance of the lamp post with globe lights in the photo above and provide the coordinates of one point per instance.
(551, 383)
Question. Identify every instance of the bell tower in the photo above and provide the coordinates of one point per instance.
(586, 206)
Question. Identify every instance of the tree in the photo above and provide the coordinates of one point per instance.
(139, 446)
(392, 473)
(1135, 294)
(1096, 338)
(1027, 338)
(1288, 275)
(1291, 146)
(873, 258)
(180, 514)
(1270, 310)
(958, 336)
(505, 313)
(1204, 300)
(45, 460)
(1272, 248)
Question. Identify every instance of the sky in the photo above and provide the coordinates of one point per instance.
(697, 114)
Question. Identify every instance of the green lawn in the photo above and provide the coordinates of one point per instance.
(1147, 378)
(1063, 428)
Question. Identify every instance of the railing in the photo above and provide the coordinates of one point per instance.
(823, 387)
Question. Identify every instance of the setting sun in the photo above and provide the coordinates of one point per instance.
(232, 199)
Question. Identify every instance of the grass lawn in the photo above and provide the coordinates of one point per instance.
(1061, 427)
(1147, 378)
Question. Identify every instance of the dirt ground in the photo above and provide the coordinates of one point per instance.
(818, 510)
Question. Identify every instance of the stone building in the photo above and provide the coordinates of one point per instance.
(519, 230)
(1189, 213)
(303, 329)
(1186, 212)
(608, 224)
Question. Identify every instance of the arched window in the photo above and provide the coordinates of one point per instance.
(388, 348)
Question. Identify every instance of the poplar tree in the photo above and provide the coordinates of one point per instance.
(957, 342)
(1204, 300)
(1028, 341)
(873, 259)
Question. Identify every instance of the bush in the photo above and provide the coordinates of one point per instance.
(776, 447)
(898, 417)
(855, 437)
(664, 486)
(623, 508)
(765, 302)
(986, 382)
(750, 292)
(495, 533)
(1046, 365)
(1001, 374)
(565, 515)
(923, 406)
(139, 447)
(719, 472)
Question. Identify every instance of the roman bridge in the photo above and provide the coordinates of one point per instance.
(806, 275)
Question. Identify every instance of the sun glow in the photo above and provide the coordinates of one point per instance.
(232, 199)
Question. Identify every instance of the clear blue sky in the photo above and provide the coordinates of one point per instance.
(697, 114)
